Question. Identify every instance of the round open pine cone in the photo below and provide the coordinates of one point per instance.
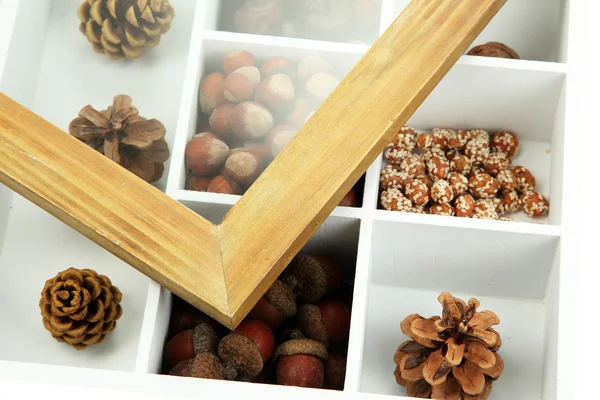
(80, 307)
(124, 28)
(121, 134)
(452, 357)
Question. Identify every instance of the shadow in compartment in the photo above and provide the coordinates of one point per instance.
(296, 335)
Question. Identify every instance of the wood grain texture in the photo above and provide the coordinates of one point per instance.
(290, 200)
(130, 218)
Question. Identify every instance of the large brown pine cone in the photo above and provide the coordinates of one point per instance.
(80, 307)
(124, 28)
(452, 357)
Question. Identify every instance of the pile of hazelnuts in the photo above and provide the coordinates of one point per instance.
(296, 335)
(458, 173)
(249, 111)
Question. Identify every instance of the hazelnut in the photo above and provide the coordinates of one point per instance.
(278, 65)
(241, 357)
(259, 17)
(276, 92)
(440, 138)
(211, 94)
(312, 276)
(478, 151)
(493, 49)
(495, 163)
(393, 200)
(485, 209)
(480, 134)
(441, 192)
(299, 111)
(417, 192)
(225, 185)
(458, 182)
(426, 180)
(483, 186)
(219, 120)
(461, 164)
(258, 148)
(240, 84)
(350, 199)
(250, 120)
(413, 165)
(312, 65)
(458, 139)
(197, 183)
(506, 143)
(300, 363)
(260, 334)
(406, 138)
(424, 140)
(189, 343)
(392, 178)
(442, 209)
(328, 322)
(319, 86)
(277, 304)
(507, 180)
(509, 201)
(428, 154)
(205, 154)
(279, 137)
(243, 167)
(335, 371)
(237, 59)
(464, 206)
(525, 179)
(394, 154)
(206, 365)
(438, 168)
(534, 204)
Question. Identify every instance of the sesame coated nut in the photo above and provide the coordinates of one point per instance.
(464, 206)
(507, 180)
(413, 165)
(419, 210)
(417, 192)
(483, 186)
(458, 182)
(452, 154)
(424, 140)
(505, 142)
(485, 209)
(406, 139)
(440, 138)
(438, 168)
(392, 178)
(475, 171)
(461, 164)
(478, 150)
(441, 192)
(394, 200)
(426, 180)
(510, 201)
(428, 154)
(442, 209)
(394, 154)
(459, 139)
(479, 134)
(533, 203)
(495, 163)
(525, 179)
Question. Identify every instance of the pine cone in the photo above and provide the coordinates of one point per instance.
(123, 28)
(452, 357)
(122, 135)
(80, 307)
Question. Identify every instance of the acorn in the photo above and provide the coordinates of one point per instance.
(312, 277)
(300, 363)
(241, 357)
(278, 303)
(260, 334)
(189, 343)
(206, 365)
(328, 322)
(335, 371)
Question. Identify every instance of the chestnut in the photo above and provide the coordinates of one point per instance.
(275, 306)
(190, 343)
(300, 363)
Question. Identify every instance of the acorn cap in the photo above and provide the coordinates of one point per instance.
(207, 365)
(282, 297)
(311, 323)
(301, 346)
(307, 277)
(241, 353)
(204, 339)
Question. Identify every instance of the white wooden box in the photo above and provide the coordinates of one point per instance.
(400, 261)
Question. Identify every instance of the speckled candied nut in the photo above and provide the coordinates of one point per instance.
(458, 182)
(417, 192)
(464, 206)
(394, 200)
(424, 140)
(509, 201)
(478, 150)
(461, 164)
(507, 180)
(426, 180)
(479, 134)
(428, 154)
(419, 210)
(440, 138)
(505, 142)
(452, 154)
(485, 209)
(394, 154)
(459, 139)
(495, 163)
(525, 179)
(392, 178)
(534, 204)
(413, 165)
(475, 171)
(438, 168)
(405, 139)
(483, 186)
(240, 356)
(441, 192)
(442, 209)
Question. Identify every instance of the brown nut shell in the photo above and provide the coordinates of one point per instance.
(207, 366)
(311, 323)
(282, 298)
(242, 354)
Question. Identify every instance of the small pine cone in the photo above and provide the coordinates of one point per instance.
(124, 28)
(80, 307)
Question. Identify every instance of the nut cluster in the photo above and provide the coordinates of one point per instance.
(296, 335)
(458, 173)
(252, 109)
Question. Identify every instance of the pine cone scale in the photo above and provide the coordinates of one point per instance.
(470, 377)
